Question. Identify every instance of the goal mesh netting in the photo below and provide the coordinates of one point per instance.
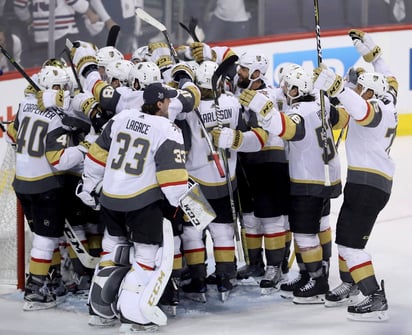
(12, 251)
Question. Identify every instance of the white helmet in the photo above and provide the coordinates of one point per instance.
(120, 70)
(298, 78)
(285, 69)
(72, 86)
(51, 75)
(146, 73)
(254, 61)
(141, 54)
(375, 81)
(204, 74)
(108, 54)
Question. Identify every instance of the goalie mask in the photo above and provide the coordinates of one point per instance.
(50, 76)
(145, 73)
(374, 81)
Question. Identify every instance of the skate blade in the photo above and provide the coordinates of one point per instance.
(37, 306)
(286, 295)
(224, 296)
(315, 300)
(169, 310)
(198, 297)
(133, 328)
(251, 281)
(379, 316)
(97, 321)
(351, 301)
(269, 290)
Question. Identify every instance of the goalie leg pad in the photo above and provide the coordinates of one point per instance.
(104, 289)
(142, 290)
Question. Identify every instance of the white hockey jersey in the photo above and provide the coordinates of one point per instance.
(139, 157)
(42, 152)
(199, 164)
(368, 143)
(306, 164)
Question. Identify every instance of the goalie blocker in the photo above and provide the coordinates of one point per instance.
(196, 207)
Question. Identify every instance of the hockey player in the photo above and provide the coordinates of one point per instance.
(106, 55)
(139, 158)
(310, 197)
(42, 144)
(267, 177)
(372, 129)
(203, 170)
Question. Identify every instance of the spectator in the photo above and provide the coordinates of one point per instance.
(12, 44)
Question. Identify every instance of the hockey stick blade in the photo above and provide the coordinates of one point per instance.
(85, 258)
(191, 29)
(150, 19)
(112, 36)
(223, 69)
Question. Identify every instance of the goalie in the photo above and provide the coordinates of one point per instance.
(140, 158)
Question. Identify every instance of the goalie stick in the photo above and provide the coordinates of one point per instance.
(84, 257)
(19, 68)
(218, 74)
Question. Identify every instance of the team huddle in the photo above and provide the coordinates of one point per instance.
(138, 159)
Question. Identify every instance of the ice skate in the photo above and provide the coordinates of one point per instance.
(374, 308)
(133, 328)
(37, 294)
(251, 270)
(170, 298)
(196, 290)
(313, 292)
(344, 294)
(224, 286)
(271, 281)
(286, 289)
(98, 321)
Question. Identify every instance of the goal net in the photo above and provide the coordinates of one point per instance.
(15, 237)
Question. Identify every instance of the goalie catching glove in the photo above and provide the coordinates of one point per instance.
(365, 45)
(326, 80)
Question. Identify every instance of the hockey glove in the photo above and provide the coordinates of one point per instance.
(53, 98)
(327, 80)
(90, 199)
(365, 45)
(84, 56)
(225, 138)
(182, 71)
(161, 55)
(201, 52)
(257, 102)
(351, 77)
(84, 102)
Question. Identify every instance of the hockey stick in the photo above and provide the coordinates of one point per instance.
(112, 36)
(221, 73)
(191, 29)
(19, 68)
(85, 258)
(69, 46)
(159, 26)
(322, 98)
